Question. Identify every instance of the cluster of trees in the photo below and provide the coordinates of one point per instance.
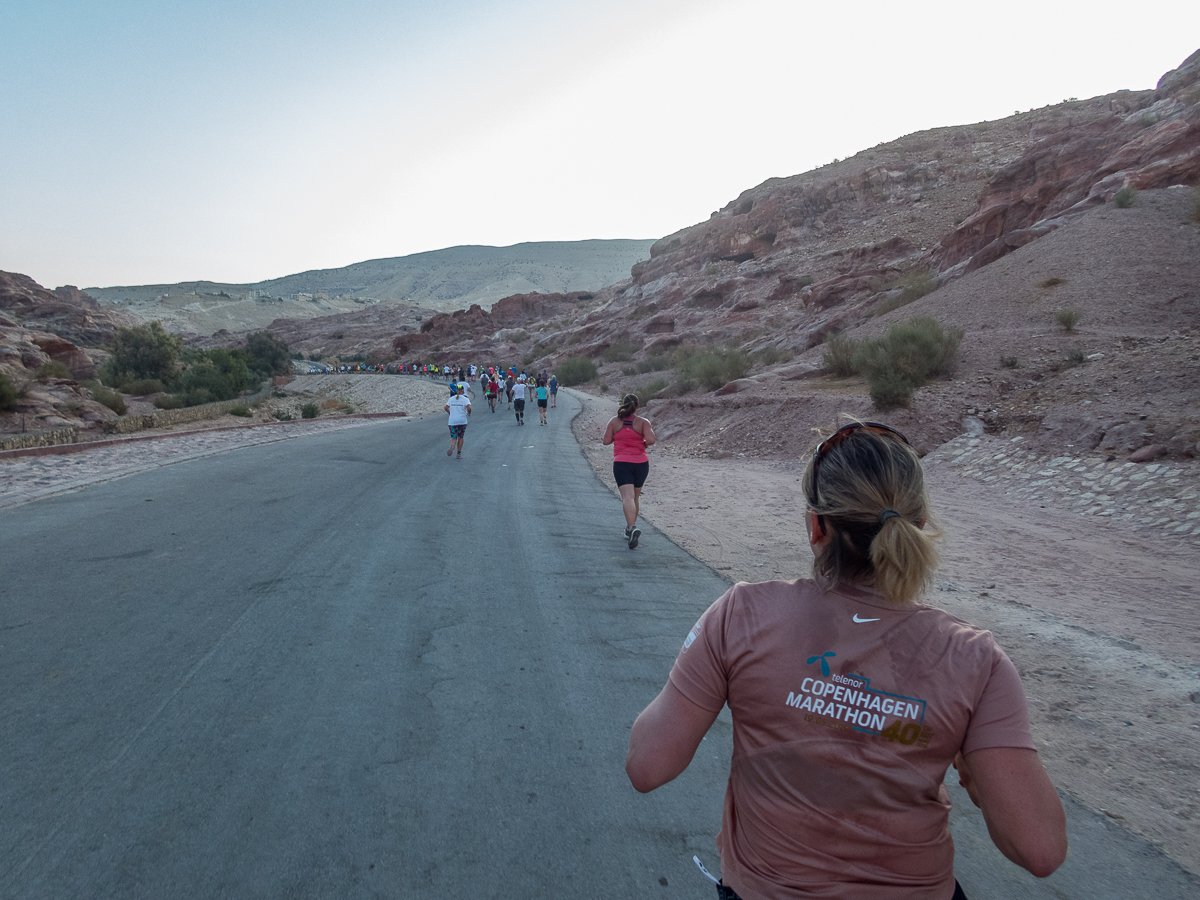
(147, 359)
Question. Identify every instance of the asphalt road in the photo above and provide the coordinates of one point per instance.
(347, 666)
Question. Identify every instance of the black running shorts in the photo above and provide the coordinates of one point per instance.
(631, 473)
(518, 405)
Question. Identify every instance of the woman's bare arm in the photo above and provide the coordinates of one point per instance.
(648, 432)
(664, 739)
(1020, 806)
(609, 432)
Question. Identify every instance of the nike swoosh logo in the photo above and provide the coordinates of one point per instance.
(860, 621)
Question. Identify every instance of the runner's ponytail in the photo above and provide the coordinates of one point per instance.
(872, 502)
(629, 405)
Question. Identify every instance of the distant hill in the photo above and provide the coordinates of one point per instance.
(439, 280)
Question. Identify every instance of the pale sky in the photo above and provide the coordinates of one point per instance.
(240, 140)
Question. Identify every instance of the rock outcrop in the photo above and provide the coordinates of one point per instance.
(66, 312)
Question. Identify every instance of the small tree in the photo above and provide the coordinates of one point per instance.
(268, 354)
(143, 351)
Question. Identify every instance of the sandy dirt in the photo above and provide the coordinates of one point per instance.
(1097, 611)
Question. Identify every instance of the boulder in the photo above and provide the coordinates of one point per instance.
(1147, 453)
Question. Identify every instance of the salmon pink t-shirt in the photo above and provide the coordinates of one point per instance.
(847, 712)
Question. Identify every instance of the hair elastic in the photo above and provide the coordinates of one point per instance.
(888, 514)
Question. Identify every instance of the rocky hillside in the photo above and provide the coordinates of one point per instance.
(40, 327)
(841, 248)
(441, 280)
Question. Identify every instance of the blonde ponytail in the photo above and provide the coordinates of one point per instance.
(871, 499)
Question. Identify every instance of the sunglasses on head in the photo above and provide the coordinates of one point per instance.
(837, 438)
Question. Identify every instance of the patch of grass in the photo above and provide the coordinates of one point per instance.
(769, 356)
(912, 353)
(710, 368)
(145, 386)
(576, 370)
(913, 286)
(8, 394)
(1068, 319)
(1075, 357)
(1009, 362)
(839, 355)
(240, 409)
(648, 390)
(111, 399)
(629, 370)
(1052, 282)
(169, 401)
(282, 416)
(620, 350)
(1125, 198)
(309, 411)
(604, 387)
(655, 362)
(53, 369)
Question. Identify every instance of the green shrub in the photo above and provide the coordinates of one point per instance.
(215, 375)
(240, 409)
(620, 350)
(655, 362)
(8, 394)
(1009, 362)
(576, 370)
(111, 399)
(911, 354)
(144, 386)
(1124, 198)
(913, 286)
(839, 355)
(53, 369)
(648, 390)
(1068, 319)
(309, 411)
(169, 401)
(282, 416)
(1075, 357)
(711, 368)
(629, 370)
(603, 387)
(769, 356)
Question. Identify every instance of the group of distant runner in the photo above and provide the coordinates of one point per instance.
(517, 388)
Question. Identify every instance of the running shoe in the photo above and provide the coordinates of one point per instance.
(633, 537)
(448, 452)
(628, 531)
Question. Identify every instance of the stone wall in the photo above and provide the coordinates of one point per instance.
(165, 417)
(49, 437)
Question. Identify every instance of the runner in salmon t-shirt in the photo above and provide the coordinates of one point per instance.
(850, 700)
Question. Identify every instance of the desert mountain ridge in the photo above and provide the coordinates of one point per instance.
(1084, 207)
(437, 280)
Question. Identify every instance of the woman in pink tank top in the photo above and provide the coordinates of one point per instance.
(630, 435)
(850, 700)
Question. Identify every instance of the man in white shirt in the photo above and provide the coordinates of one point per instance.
(518, 400)
(459, 408)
